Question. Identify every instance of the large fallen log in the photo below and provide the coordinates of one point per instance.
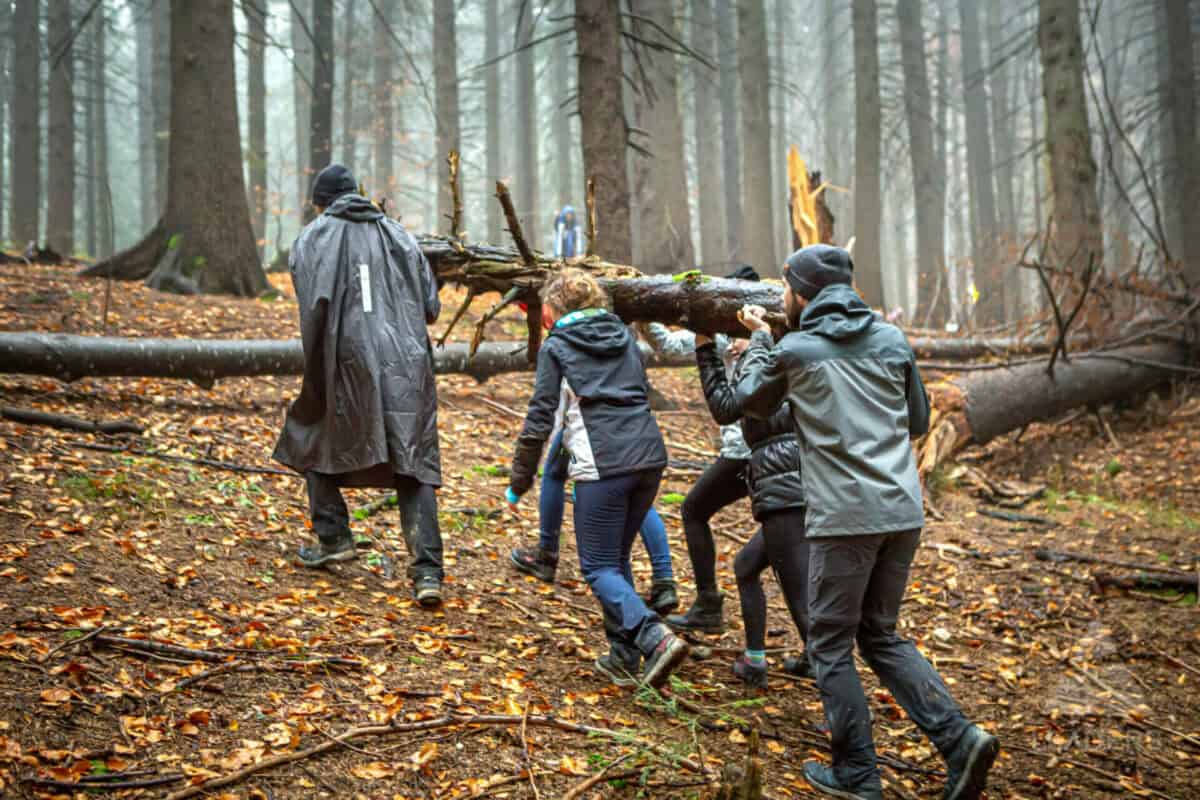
(976, 408)
(204, 361)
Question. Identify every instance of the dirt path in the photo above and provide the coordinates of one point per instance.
(1092, 695)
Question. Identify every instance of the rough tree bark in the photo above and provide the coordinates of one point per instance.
(1185, 146)
(206, 227)
(25, 120)
(781, 134)
(708, 154)
(147, 200)
(731, 158)
(1003, 134)
(90, 190)
(5, 36)
(385, 97)
(320, 141)
(565, 187)
(602, 120)
(491, 100)
(1077, 236)
(160, 26)
(349, 67)
(445, 74)
(929, 194)
(528, 125)
(758, 204)
(666, 219)
(990, 309)
(256, 95)
(303, 64)
(868, 115)
(837, 116)
(60, 179)
(105, 225)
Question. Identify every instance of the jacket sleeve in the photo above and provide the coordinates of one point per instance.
(762, 385)
(539, 422)
(722, 403)
(668, 342)
(918, 402)
(309, 406)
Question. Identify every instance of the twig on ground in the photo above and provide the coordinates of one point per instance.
(28, 416)
(106, 786)
(525, 752)
(74, 642)
(579, 789)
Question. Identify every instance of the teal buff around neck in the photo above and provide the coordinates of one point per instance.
(577, 316)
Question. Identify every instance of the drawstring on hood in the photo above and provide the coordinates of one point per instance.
(837, 313)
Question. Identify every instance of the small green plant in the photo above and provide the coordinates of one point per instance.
(1113, 468)
(491, 470)
(200, 519)
(672, 499)
(88, 488)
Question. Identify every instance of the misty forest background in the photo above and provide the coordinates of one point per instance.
(927, 119)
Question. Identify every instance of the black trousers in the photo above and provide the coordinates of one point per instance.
(721, 484)
(781, 545)
(418, 519)
(855, 585)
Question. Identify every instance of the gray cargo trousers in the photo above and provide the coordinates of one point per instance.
(855, 586)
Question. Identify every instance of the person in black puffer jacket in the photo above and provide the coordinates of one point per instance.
(777, 502)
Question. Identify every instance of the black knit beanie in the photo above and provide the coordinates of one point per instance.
(331, 183)
(810, 269)
(744, 272)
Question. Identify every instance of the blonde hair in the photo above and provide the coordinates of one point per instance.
(573, 290)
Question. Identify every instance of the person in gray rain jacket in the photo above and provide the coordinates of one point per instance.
(856, 397)
(367, 411)
(722, 483)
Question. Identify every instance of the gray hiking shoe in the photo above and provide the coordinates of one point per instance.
(428, 591)
(821, 778)
(704, 616)
(967, 765)
(320, 554)
(617, 670)
(670, 652)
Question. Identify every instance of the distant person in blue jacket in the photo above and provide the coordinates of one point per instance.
(568, 236)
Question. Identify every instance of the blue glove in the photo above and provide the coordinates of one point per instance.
(511, 496)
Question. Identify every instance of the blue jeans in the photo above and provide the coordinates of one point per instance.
(552, 507)
(608, 513)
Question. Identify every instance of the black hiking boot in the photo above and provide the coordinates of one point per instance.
(621, 671)
(704, 616)
(798, 666)
(821, 778)
(428, 591)
(663, 599)
(668, 654)
(967, 765)
(320, 554)
(536, 562)
(753, 675)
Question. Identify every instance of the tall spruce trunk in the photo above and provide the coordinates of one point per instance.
(349, 68)
(990, 309)
(666, 218)
(25, 109)
(445, 73)
(320, 142)
(91, 192)
(1078, 237)
(708, 153)
(929, 194)
(780, 129)
(868, 202)
(837, 116)
(105, 224)
(384, 91)
(256, 96)
(147, 193)
(60, 179)
(602, 122)
(1003, 134)
(528, 127)
(731, 158)
(565, 187)
(758, 202)
(1184, 147)
(160, 26)
(6, 37)
(491, 100)
(303, 63)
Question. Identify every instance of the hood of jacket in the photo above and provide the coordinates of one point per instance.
(355, 208)
(837, 313)
(594, 331)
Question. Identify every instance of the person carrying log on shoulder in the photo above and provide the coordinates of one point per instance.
(851, 382)
(367, 411)
(591, 384)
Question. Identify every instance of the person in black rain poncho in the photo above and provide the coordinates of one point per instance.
(367, 411)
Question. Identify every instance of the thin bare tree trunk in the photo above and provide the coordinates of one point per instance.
(758, 204)
(1185, 148)
(708, 154)
(560, 112)
(731, 159)
(383, 122)
(528, 126)
(929, 194)
(666, 219)
(25, 113)
(837, 116)
(160, 25)
(349, 68)
(445, 73)
(105, 227)
(91, 190)
(491, 79)
(6, 37)
(256, 95)
(60, 180)
(868, 204)
(320, 143)
(1078, 237)
(147, 195)
(303, 67)
(604, 129)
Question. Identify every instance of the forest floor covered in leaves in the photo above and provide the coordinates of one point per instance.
(102, 541)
